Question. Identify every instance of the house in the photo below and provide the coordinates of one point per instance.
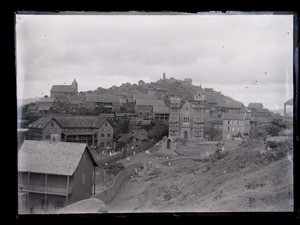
(121, 141)
(255, 106)
(150, 95)
(54, 173)
(144, 107)
(187, 81)
(107, 102)
(63, 91)
(120, 116)
(161, 113)
(139, 131)
(74, 102)
(214, 119)
(91, 130)
(236, 125)
(138, 141)
(32, 109)
(187, 121)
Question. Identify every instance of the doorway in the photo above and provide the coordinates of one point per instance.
(168, 144)
(186, 135)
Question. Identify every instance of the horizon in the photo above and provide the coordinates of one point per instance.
(246, 57)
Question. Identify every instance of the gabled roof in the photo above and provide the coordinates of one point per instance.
(234, 116)
(102, 98)
(150, 102)
(45, 107)
(255, 105)
(139, 131)
(47, 100)
(61, 158)
(41, 122)
(161, 110)
(139, 136)
(32, 107)
(80, 121)
(62, 88)
(123, 137)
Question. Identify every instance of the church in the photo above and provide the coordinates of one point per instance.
(186, 121)
(64, 91)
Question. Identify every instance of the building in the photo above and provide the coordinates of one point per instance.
(91, 130)
(255, 106)
(106, 102)
(236, 125)
(47, 105)
(187, 121)
(187, 81)
(233, 107)
(161, 113)
(144, 107)
(63, 91)
(121, 141)
(54, 173)
(139, 142)
(288, 112)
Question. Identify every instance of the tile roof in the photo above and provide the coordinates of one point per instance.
(150, 102)
(80, 121)
(41, 122)
(47, 99)
(46, 157)
(161, 110)
(62, 88)
(102, 98)
(139, 131)
(234, 116)
(44, 107)
(255, 105)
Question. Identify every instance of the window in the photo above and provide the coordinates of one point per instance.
(238, 122)
(228, 128)
(83, 179)
(228, 121)
(102, 135)
(232, 129)
(48, 137)
(187, 108)
(108, 135)
(52, 124)
(228, 136)
(108, 144)
(102, 144)
(106, 124)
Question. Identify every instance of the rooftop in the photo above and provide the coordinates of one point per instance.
(47, 99)
(161, 110)
(235, 116)
(62, 88)
(102, 98)
(46, 157)
(150, 102)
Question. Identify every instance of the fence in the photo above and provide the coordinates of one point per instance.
(109, 193)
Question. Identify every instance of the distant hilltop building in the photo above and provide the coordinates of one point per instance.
(64, 91)
(187, 121)
(187, 81)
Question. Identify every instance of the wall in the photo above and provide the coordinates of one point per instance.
(82, 191)
(105, 129)
(109, 193)
(49, 129)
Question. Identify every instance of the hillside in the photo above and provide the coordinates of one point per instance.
(245, 179)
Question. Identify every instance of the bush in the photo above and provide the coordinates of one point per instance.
(114, 169)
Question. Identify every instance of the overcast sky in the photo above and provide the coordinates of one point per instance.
(247, 57)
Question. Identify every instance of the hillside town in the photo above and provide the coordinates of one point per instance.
(95, 151)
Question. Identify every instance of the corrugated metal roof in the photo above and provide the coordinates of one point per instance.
(46, 157)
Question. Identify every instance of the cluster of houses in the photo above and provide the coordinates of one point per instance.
(56, 163)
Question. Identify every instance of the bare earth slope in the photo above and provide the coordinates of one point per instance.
(243, 180)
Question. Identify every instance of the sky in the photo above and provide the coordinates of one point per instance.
(246, 57)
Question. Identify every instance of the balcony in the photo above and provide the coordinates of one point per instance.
(46, 190)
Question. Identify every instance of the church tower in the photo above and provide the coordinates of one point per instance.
(75, 86)
(174, 119)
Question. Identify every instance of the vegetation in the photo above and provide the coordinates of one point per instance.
(159, 130)
(114, 169)
(213, 134)
(275, 127)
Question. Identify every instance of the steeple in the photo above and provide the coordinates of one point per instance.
(75, 85)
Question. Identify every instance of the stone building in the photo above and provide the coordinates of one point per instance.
(63, 91)
(186, 120)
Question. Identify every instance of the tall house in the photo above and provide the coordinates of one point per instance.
(174, 118)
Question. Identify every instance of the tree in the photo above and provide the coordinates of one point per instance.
(159, 130)
(213, 134)
(275, 127)
(122, 127)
